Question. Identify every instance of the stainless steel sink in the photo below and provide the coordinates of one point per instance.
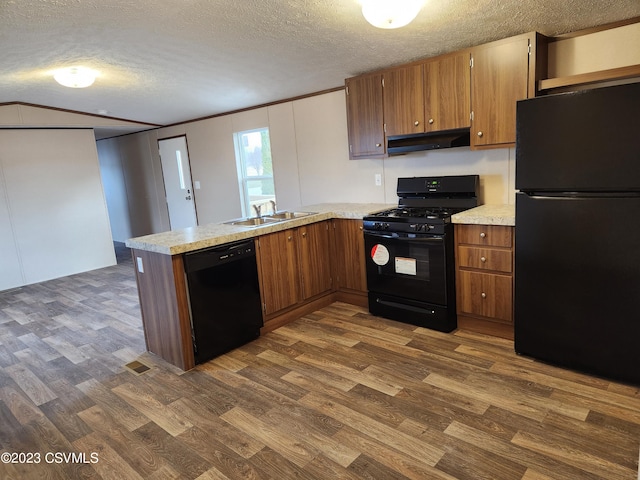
(267, 219)
(253, 221)
(288, 215)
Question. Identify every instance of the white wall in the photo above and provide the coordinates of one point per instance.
(10, 267)
(115, 189)
(286, 176)
(326, 173)
(52, 206)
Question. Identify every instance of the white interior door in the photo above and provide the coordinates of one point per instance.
(177, 182)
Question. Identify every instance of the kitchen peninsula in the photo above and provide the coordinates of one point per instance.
(309, 262)
(304, 264)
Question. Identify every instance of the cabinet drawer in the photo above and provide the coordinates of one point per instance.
(489, 235)
(485, 258)
(486, 294)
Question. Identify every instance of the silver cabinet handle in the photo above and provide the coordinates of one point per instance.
(480, 134)
(430, 121)
(416, 123)
(483, 259)
(482, 234)
(378, 145)
(484, 295)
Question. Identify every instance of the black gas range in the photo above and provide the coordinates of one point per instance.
(410, 264)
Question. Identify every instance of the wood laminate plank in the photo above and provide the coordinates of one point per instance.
(241, 443)
(292, 449)
(374, 429)
(572, 456)
(30, 384)
(110, 465)
(391, 457)
(181, 457)
(137, 455)
(152, 408)
(118, 408)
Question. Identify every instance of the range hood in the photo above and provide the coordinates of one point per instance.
(398, 144)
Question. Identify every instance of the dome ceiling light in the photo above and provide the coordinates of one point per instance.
(75, 77)
(390, 13)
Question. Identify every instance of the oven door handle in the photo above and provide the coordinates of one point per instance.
(404, 306)
(417, 238)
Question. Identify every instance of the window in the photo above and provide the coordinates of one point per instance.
(255, 172)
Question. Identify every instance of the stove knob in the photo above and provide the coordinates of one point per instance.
(386, 226)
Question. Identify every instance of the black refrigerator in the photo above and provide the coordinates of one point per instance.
(577, 234)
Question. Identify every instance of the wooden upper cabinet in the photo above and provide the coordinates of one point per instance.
(364, 116)
(403, 100)
(446, 93)
(502, 73)
(447, 103)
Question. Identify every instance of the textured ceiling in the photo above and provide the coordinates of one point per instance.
(166, 61)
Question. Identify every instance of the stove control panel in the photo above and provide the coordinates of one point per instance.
(405, 227)
(422, 227)
(380, 226)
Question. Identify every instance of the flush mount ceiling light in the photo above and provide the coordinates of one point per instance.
(390, 13)
(75, 77)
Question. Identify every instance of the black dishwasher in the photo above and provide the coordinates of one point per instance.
(224, 298)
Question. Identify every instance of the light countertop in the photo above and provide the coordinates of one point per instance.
(487, 215)
(204, 236)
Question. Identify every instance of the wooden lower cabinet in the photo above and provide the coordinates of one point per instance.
(350, 276)
(294, 268)
(314, 257)
(278, 267)
(484, 278)
(164, 306)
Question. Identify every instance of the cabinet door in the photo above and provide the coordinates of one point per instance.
(350, 271)
(314, 258)
(486, 295)
(403, 101)
(279, 270)
(499, 78)
(364, 116)
(447, 91)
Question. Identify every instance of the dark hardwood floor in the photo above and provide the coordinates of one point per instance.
(335, 394)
